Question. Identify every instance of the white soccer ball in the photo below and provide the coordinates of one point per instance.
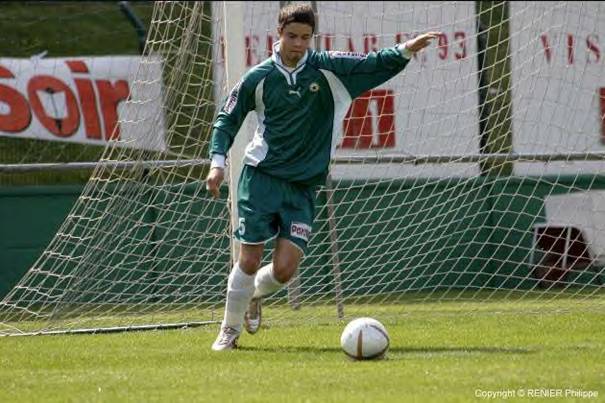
(364, 339)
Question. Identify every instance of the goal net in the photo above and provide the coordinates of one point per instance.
(63, 86)
(471, 181)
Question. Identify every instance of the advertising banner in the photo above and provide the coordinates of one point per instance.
(83, 100)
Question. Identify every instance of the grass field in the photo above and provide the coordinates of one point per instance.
(444, 357)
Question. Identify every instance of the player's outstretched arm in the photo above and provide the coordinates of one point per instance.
(361, 72)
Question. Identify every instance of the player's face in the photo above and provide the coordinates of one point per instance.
(295, 38)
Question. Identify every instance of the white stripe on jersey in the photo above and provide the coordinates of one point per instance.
(342, 102)
(257, 149)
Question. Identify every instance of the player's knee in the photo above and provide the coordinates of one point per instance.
(249, 263)
(284, 271)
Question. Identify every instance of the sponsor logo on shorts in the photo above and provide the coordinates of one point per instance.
(300, 230)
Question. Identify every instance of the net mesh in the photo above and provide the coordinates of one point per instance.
(473, 179)
(63, 30)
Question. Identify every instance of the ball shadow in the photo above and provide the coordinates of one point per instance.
(396, 350)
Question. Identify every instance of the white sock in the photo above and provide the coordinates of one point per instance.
(240, 288)
(265, 282)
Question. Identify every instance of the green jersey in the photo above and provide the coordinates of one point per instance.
(300, 110)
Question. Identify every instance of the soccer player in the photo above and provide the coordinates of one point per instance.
(300, 97)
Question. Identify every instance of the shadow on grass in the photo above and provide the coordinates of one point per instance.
(397, 350)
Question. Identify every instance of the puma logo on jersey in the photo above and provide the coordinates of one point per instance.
(297, 92)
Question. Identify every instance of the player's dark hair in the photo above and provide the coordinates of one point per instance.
(302, 13)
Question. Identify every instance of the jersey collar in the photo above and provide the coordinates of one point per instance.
(277, 58)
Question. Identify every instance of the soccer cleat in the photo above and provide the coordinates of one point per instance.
(253, 316)
(226, 340)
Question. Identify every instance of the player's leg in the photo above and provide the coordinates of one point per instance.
(272, 278)
(257, 225)
(240, 287)
(286, 259)
(296, 217)
(295, 222)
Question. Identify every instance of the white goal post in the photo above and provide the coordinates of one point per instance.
(234, 69)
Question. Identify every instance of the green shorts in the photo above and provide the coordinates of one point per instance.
(269, 207)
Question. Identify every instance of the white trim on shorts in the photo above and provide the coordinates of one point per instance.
(270, 239)
(257, 243)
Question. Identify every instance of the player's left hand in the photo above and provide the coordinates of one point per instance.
(421, 41)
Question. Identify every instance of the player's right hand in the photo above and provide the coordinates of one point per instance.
(214, 180)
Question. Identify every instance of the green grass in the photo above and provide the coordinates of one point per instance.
(440, 357)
